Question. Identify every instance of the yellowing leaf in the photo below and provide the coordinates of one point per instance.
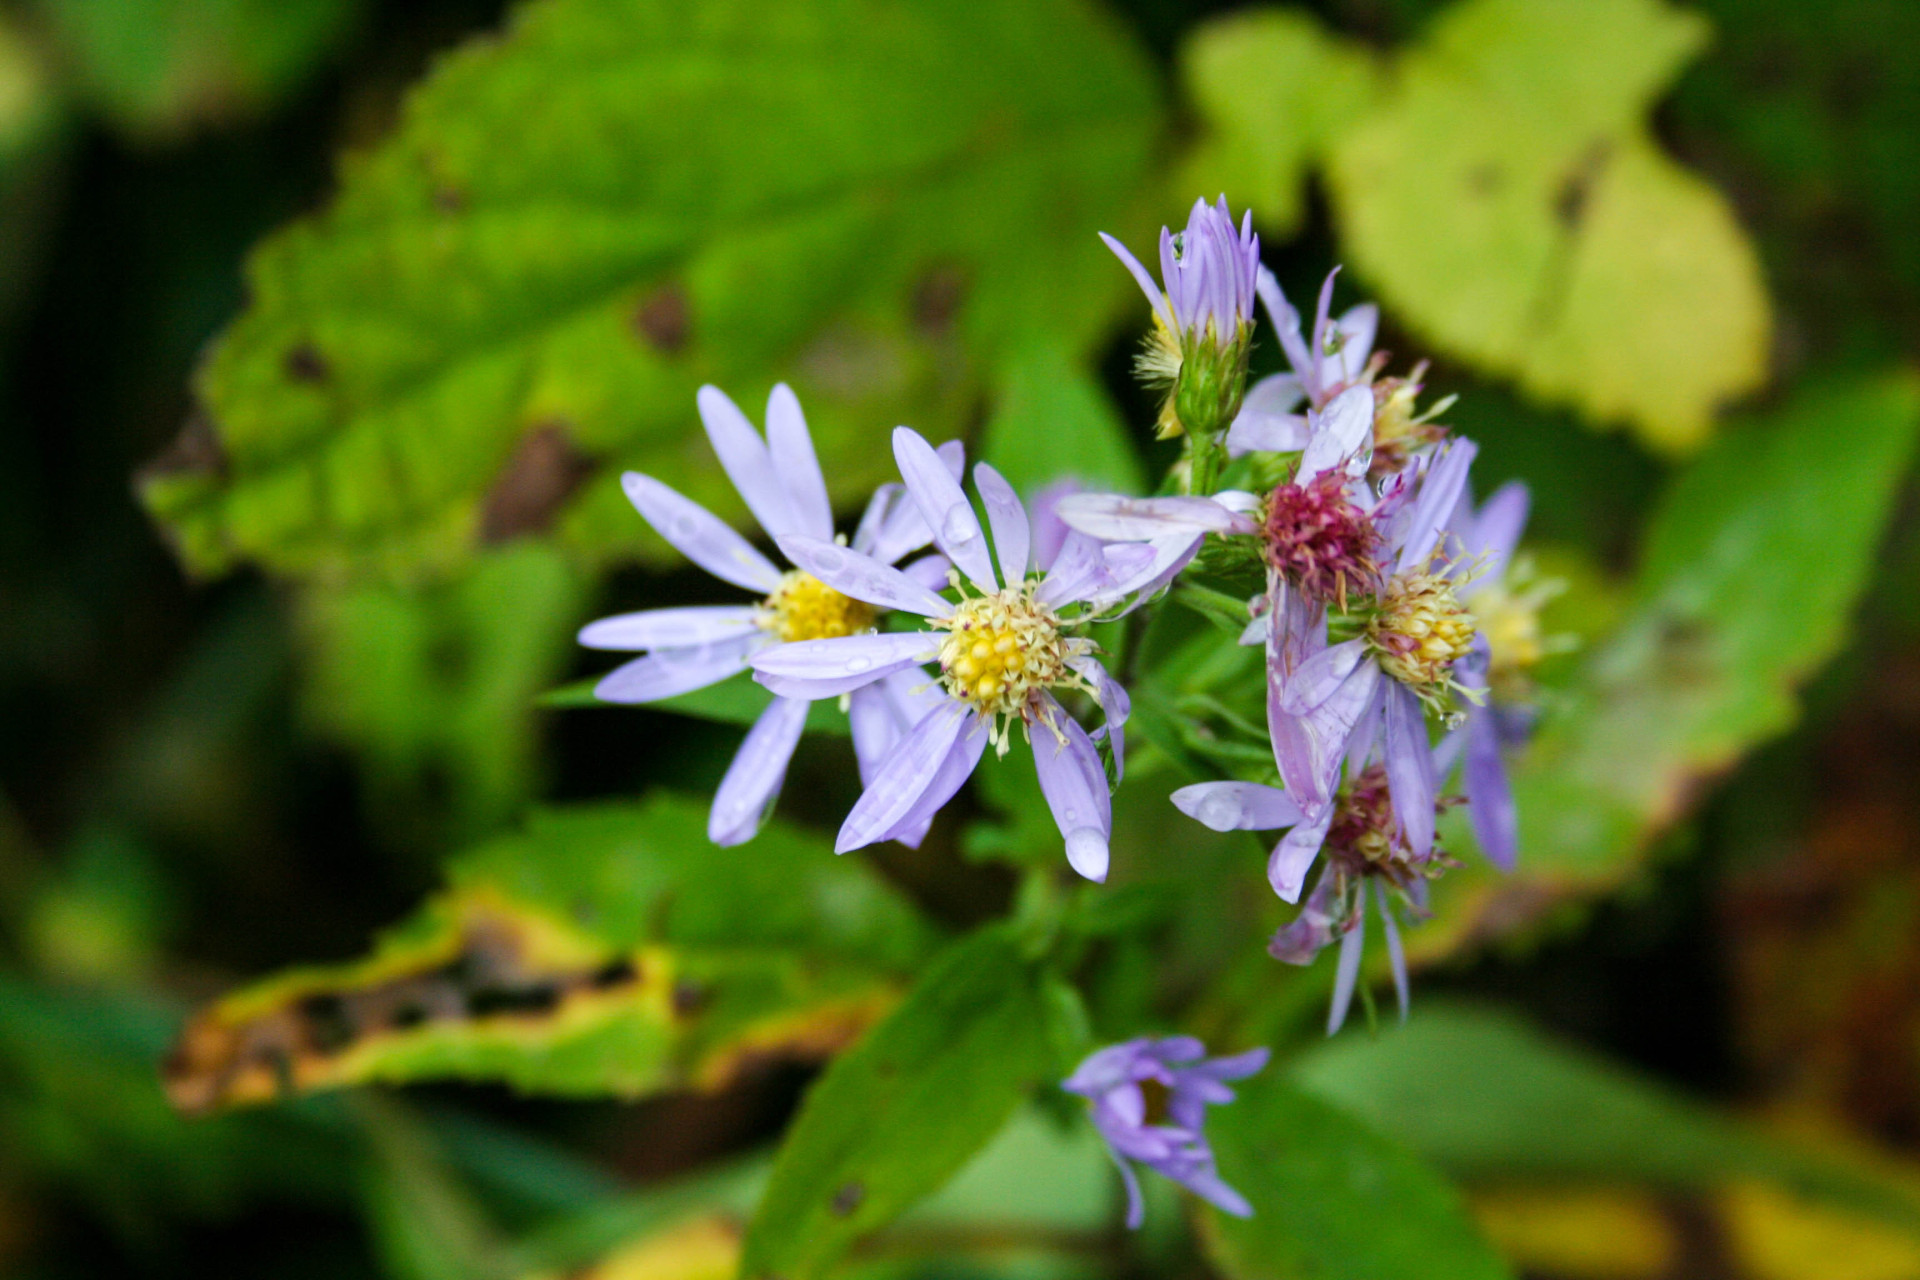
(1582, 1233)
(1273, 88)
(703, 1248)
(1507, 204)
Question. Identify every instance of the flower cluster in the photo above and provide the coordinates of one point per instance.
(1398, 627)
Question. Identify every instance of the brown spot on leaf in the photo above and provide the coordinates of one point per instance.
(536, 482)
(1486, 179)
(937, 299)
(847, 1199)
(304, 363)
(449, 199)
(1575, 194)
(664, 319)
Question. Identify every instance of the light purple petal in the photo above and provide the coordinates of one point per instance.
(670, 628)
(1237, 806)
(956, 530)
(699, 535)
(1136, 1207)
(1351, 948)
(863, 577)
(875, 729)
(1490, 807)
(743, 455)
(1165, 559)
(753, 779)
(954, 454)
(930, 570)
(667, 672)
(1076, 789)
(1076, 570)
(1293, 856)
(1396, 955)
(904, 778)
(1498, 526)
(1320, 676)
(1115, 517)
(1266, 433)
(1441, 485)
(1356, 328)
(1206, 1184)
(1012, 535)
(1144, 279)
(1409, 763)
(1286, 323)
(796, 465)
(1236, 1066)
(1049, 530)
(874, 518)
(1340, 437)
(953, 771)
(1115, 705)
(829, 668)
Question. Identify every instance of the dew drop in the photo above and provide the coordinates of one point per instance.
(1220, 811)
(959, 527)
(685, 526)
(856, 665)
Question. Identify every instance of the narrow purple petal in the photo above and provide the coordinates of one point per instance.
(699, 535)
(831, 667)
(904, 778)
(1237, 806)
(1441, 485)
(1207, 1184)
(743, 455)
(1356, 328)
(1254, 431)
(1076, 790)
(930, 570)
(1236, 1066)
(948, 777)
(1049, 530)
(753, 779)
(1320, 676)
(1293, 856)
(1115, 517)
(1286, 323)
(1136, 1207)
(667, 672)
(956, 530)
(875, 729)
(1351, 948)
(1115, 705)
(1490, 807)
(1144, 279)
(1409, 762)
(874, 518)
(1165, 559)
(796, 466)
(1396, 954)
(1340, 436)
(670, 628)
(1498, 526)
(1012, 535)
(863, 577)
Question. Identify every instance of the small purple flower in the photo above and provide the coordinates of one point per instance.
(1149, 1100)
(1002, 652)
(684, 649)
(1209, 270)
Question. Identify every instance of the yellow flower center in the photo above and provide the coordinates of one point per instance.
(1420, 629)
(1509, 613)
(1003, 648)
(804, 608)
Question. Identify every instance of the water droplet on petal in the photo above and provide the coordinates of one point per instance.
(856, 665)
(685, 526)
(1220, 811)
(959, 527)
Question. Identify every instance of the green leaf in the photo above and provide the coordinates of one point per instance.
(157, 68)
(606, 950)
(1508, 205)
(434, 688)
(1476, 1090)
(1274, 90)
(579, 222)
(1054, 422)
(894, 1118)
(738, 700)
(1331, 1198)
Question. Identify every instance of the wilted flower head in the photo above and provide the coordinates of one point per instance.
(1149, 1099)
(1203, 320)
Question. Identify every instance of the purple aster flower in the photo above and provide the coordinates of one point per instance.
(1339, 356)
(684, 649)
(1209, 270)
(1003, 649)
(1149, 1100)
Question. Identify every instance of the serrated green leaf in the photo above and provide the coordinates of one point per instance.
(579, 222)
(1507, 204)
(1755, 559)
(1332, 1199)
(606, 950)
(156, 68)
(1475, 1090)
(895, 1117)
(1274, 89)
(738, 700)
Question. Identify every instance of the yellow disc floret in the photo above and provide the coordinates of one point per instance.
(804, 608)
(1004, 648)
(1508, 609)
(1419, 630)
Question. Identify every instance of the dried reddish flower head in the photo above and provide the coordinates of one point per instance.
(1320, 541)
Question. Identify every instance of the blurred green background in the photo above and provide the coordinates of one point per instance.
(275, 612)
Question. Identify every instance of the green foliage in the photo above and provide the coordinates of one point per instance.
(605, 950)
(736, 700)
(578, 223)
(895, 1117)
(157, 68)
(433, 689)
(1476, 1090)
(1053, 423)
(1331, 1198)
